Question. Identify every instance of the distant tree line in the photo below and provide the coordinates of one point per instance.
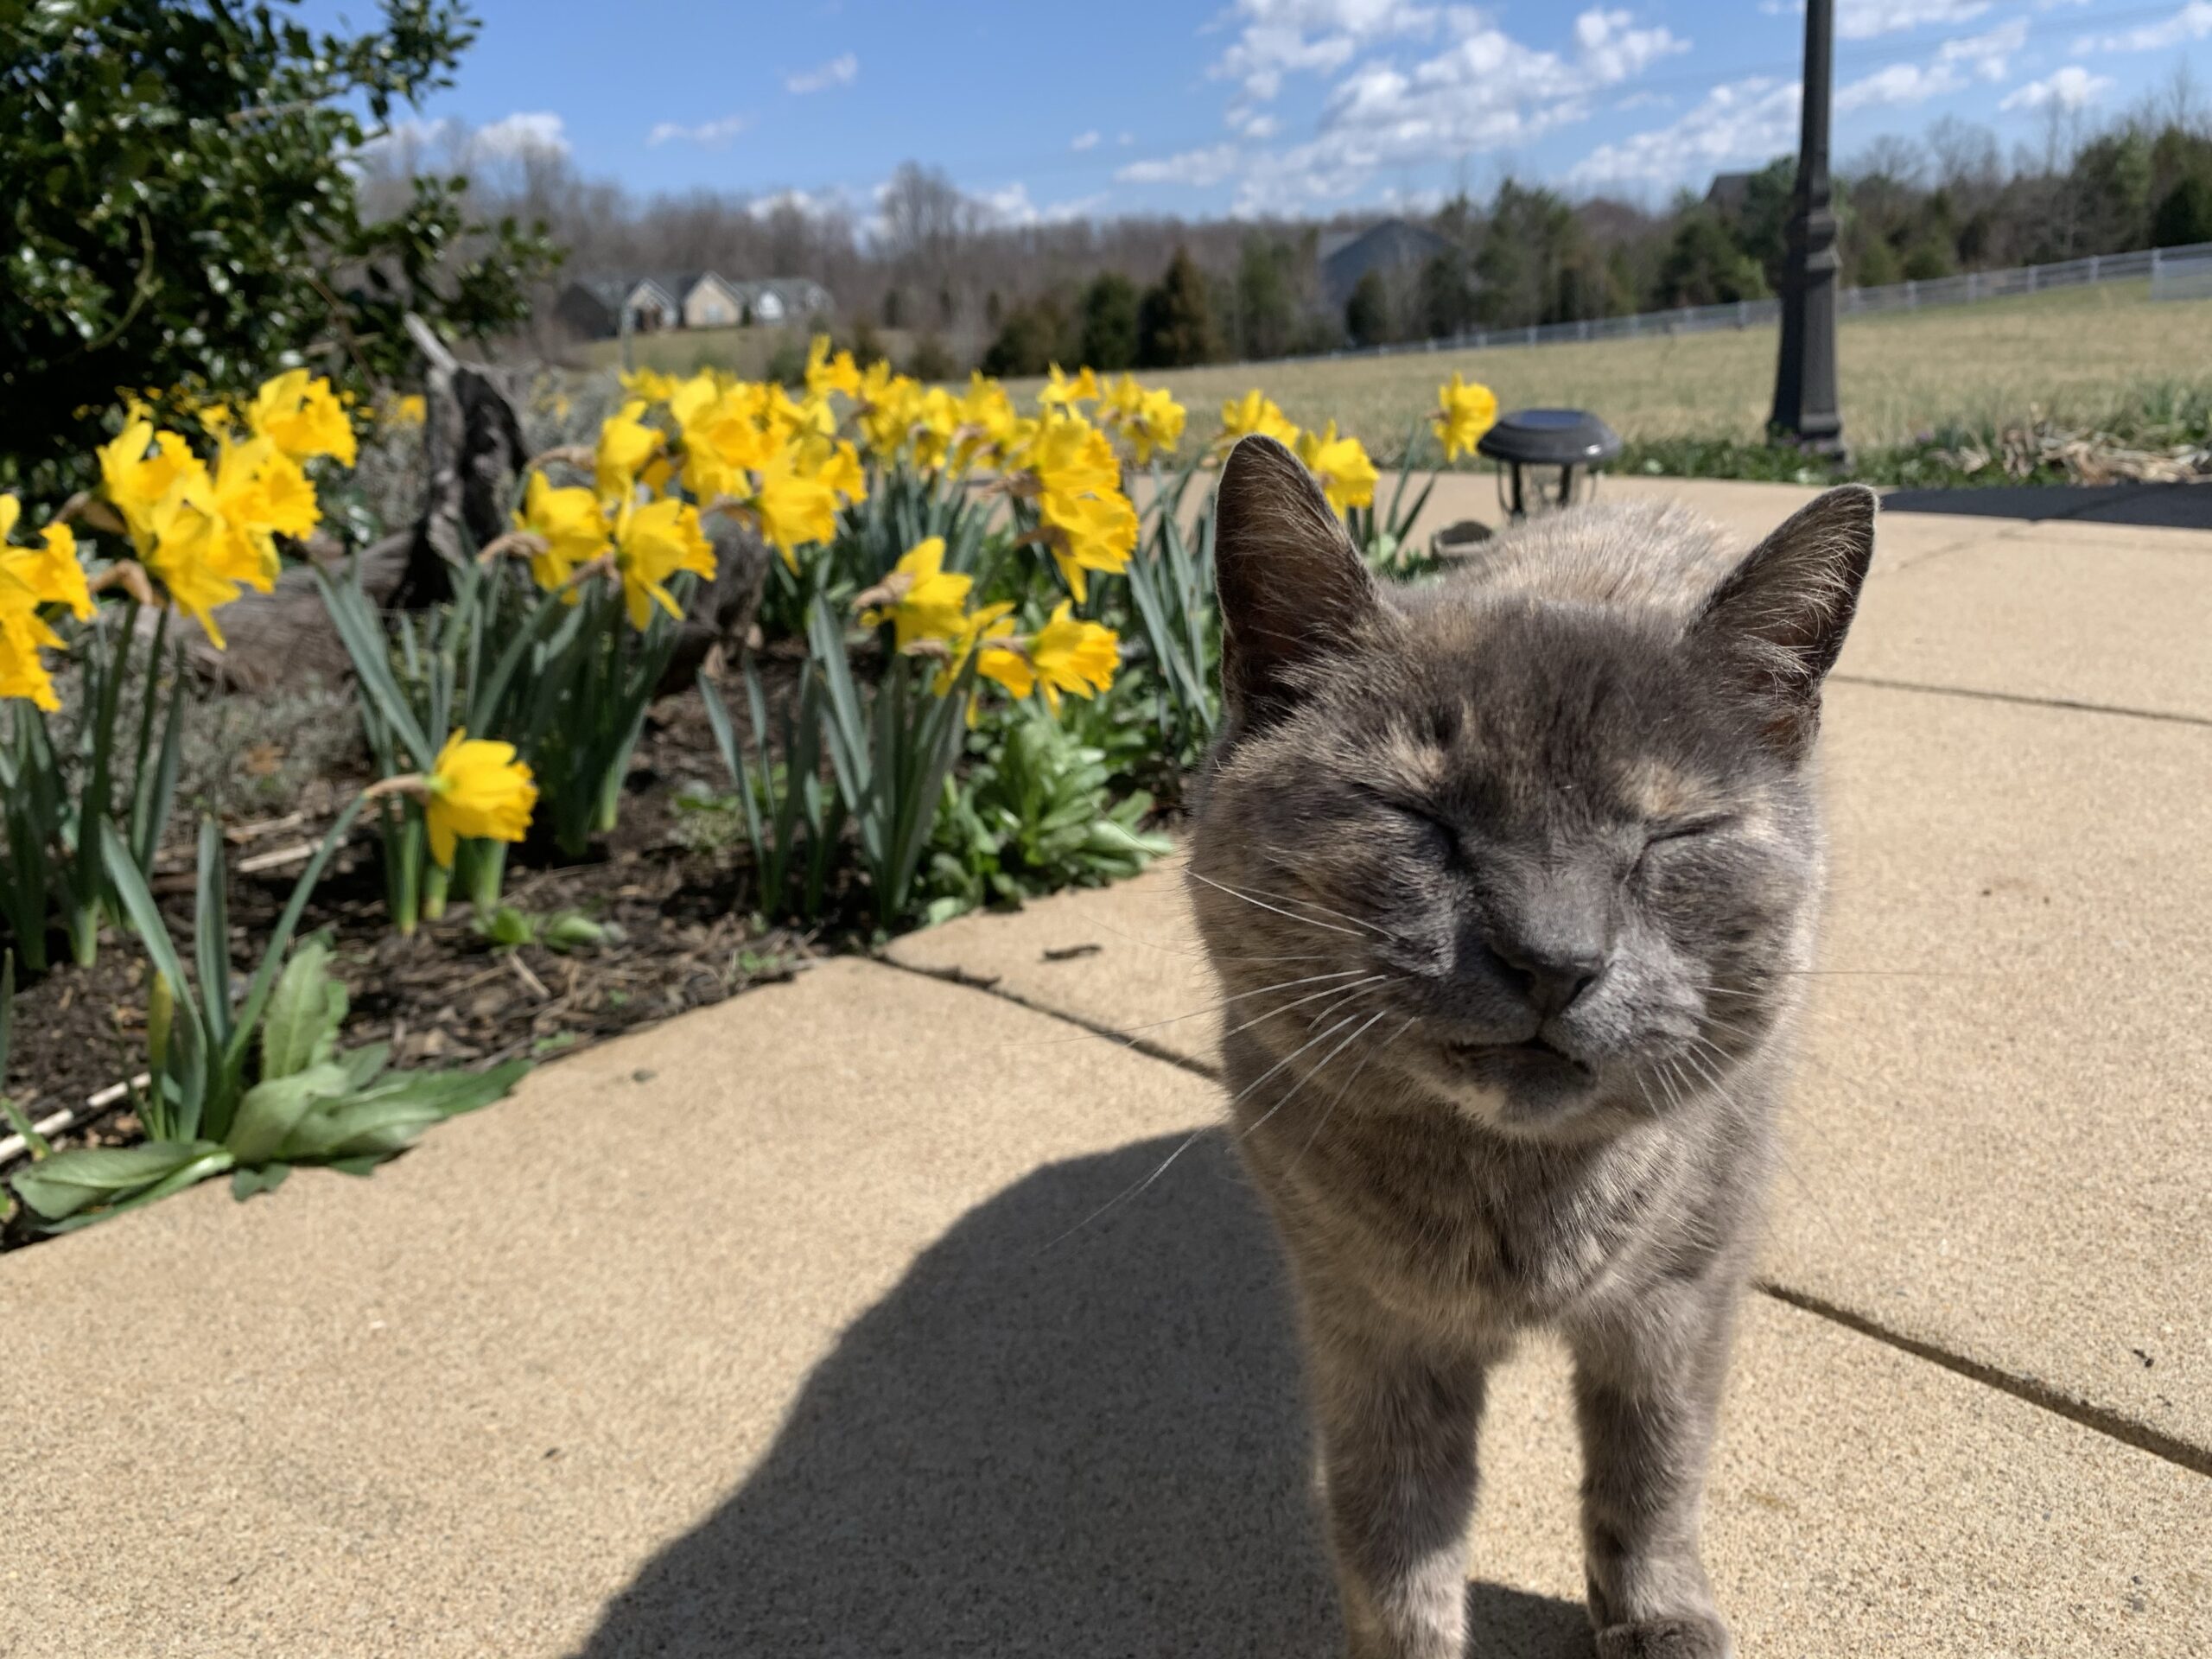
(963, 287)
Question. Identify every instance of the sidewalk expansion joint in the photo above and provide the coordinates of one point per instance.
(990, 986)
(1973, 694)
(2194, 1459)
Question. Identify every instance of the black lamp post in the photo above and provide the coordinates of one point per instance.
(1804, 381)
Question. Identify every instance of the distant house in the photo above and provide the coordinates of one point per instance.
(597, 308)
(1393, 246)
(1727, 192)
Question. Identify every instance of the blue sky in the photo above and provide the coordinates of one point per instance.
(1297, 106)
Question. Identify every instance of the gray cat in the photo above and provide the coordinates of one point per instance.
(1510, 881)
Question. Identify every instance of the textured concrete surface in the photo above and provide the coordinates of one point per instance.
(2049, 612)
(2003, 1133)
(767, 1333)
(1124, 959)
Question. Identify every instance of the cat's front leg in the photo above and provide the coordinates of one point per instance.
(1397, 1421)
(1647, 1388)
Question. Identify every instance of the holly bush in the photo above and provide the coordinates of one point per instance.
(180, 213)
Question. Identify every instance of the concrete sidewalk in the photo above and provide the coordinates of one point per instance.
(792, 1328)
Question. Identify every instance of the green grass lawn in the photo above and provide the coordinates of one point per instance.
(2077, 355)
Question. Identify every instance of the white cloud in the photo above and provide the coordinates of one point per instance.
(1475, 89)
(1743, 121)
(840, 70)
(809, 204)
(1011, 208)
(1085, 140)
(1280, 38)
(523, 133)
(1196, 168)
(1983, 56)
(711, 134)
(2067, 89)
(1862, 20)
(2192, 22)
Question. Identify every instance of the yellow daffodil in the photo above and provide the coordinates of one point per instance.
(920, 598)
(1253, 413)
(135, 482)
(1341, 465)
(1063, 391)
(48, 573)
(1087, 532)
(1073, 656)
(888, 405)
(988, 635)
(401, 413)
(937, 420)
(794, 506)
(987, 422)
(566, 528)
(838, 466)
(477, 790)
(826, 373)
(626, 444)
(722, 441)
(1464, 413)
(30, 577)
(300, 415)
(649, 386)
(652, 542)
(1151, 419)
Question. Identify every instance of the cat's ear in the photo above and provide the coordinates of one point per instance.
(1777, 624)
(1292, 588)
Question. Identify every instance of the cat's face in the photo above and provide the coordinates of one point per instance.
(1551, 862)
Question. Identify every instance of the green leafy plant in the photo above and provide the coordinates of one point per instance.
(249, 1084)
(182, 182)
(419, 680)
(891, 757)
(1033, 814)
(561, 931)
(794, 818)
(57, 792)
(1171, 589)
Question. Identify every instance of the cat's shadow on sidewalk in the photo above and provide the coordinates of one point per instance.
(1092, 1449)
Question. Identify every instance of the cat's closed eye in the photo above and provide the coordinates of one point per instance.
(1665, 838)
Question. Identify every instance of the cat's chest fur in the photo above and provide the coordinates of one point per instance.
(1449, 1222)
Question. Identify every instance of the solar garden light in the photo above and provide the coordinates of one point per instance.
(1529, 443)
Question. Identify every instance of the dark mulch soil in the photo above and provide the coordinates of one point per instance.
(681, 939)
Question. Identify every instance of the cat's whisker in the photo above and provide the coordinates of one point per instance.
(1327, 927)
(1211, 1007)
(1317, 1067)
(1338, 1099)
(1140, 1187)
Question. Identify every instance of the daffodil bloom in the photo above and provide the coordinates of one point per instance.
(30, 577)
(649, 385)
(652, 542)
(937, 419)
(135, 482)
(722, 441)
(1151, 419)
(409, 409)
(1464, 413)
(987, 421)
(1073, 656)
(566, 527)
(920, 598)
(1087, 532)
(826, 373)
(1062, 392)
(794, 506)
(476, 789)
(626, 444)
(1341, 465)
(300, 415)
(1253, 413)
(1062, 454)
(988, 635)
(48, 573)
(836, 465)
(888, 405)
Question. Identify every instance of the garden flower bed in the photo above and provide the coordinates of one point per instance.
(974, 670)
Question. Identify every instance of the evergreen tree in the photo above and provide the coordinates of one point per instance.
(1109, 323)
(1175, 319)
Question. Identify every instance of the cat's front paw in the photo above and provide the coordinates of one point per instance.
(1666, 1638)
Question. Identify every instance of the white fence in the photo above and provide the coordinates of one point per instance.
(2182, 274)
(2175, 273)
